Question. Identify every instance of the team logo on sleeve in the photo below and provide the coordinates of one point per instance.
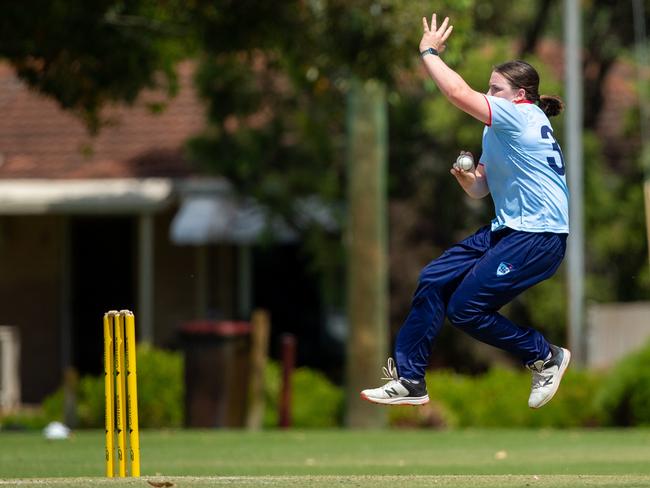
(504, 268)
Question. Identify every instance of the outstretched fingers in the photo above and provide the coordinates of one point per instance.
(444, 25)
(447, 33)
(444, 29)
(436, 34)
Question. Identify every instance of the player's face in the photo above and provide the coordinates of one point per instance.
(501, 87)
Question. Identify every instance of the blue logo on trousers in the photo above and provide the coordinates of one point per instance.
(504, 269)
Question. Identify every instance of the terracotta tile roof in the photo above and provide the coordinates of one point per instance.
(40, 140)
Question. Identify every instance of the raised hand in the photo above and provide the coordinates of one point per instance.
(435, 36)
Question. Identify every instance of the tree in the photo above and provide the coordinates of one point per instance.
(86, 55)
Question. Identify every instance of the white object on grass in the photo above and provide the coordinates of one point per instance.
(56, 430)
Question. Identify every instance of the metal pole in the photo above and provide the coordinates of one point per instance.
(145, 277)
(245, 281)
(67, 342)
(575, 173)
(201, 289)
(641, 52)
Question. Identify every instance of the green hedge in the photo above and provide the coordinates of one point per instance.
(620, 397)
(499, 398)
(624, 397)
(316, 401)
(24, 419)
(160, 392)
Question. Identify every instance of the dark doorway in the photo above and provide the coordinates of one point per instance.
(102, 278)
(285, 286)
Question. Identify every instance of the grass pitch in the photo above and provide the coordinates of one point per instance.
(392, 458)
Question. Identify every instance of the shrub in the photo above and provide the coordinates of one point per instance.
(625, 394)
(160, 392)
(499, 398)
(23, 419)
(316, 401)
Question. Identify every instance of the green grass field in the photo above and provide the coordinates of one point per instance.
(391, 458)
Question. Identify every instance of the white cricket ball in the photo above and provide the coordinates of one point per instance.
(464, 162)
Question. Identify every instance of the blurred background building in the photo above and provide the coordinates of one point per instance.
(123, 220)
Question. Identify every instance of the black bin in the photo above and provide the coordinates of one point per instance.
(216, 372)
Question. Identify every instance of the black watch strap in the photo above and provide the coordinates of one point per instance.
(429, 51)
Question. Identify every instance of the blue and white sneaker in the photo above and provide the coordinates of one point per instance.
(398, 391)
(547, 376)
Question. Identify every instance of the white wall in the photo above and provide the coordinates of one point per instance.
(615, 330)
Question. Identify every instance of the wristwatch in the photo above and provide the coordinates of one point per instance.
(429, 51)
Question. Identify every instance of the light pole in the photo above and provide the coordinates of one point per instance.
(641, 52)
(575, 175)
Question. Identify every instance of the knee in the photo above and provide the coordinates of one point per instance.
(460, 314)
(427, 284)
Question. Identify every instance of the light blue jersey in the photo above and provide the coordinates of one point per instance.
(525, 169)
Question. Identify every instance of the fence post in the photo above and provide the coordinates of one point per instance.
(288, 363)
(259, 356)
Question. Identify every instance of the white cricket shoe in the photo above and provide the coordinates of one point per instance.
(398, 391)
(547, 376)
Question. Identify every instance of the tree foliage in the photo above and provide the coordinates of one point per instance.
(89, 54)
(277, 102)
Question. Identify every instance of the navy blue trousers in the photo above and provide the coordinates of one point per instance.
(469, 283)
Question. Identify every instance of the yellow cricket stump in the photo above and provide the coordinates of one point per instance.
(109, 384)
(121, 392)
(132, 393)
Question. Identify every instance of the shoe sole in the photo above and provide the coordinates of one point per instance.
(423, 400)
(565, 363)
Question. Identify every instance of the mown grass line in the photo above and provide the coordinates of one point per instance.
(472, 458)
(456, 481)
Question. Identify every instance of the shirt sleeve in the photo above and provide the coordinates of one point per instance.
(505, 116)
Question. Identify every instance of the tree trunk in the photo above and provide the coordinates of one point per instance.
(367, 294)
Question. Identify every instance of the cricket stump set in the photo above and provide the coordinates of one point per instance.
(121, 390)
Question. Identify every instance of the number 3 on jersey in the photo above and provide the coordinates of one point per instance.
(547, 133)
